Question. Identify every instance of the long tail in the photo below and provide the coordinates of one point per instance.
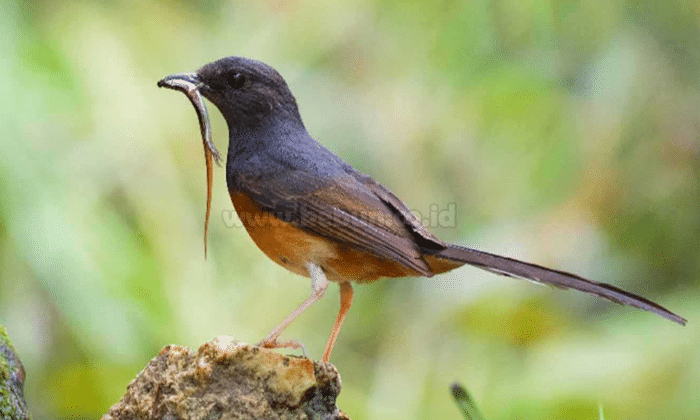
(514, 268)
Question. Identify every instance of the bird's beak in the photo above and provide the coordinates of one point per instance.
(189, 84)
(184, 82)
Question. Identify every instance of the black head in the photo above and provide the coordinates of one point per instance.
(248, 93)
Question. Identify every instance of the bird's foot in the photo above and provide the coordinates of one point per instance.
(268, 343)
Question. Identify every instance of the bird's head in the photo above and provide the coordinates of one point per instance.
(248, 93)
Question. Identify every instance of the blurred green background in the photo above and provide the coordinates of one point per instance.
(566, 133)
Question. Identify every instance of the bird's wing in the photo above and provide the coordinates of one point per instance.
(343, 209)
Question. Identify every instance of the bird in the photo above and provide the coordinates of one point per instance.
(311, 212)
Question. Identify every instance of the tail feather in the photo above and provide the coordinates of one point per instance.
(514, 268)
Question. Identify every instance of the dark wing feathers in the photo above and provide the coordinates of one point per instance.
(344, 210)
(424, 239)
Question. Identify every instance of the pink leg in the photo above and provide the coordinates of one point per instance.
(319, 284)
(345, 303)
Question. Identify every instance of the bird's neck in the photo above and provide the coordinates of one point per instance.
(247, 137)
(252, 148)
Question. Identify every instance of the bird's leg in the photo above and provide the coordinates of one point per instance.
(319, 284)
(345, 303)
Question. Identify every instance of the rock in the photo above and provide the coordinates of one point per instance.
(228, 379)
(12, 404)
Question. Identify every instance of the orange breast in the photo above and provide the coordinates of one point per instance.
(292, 248)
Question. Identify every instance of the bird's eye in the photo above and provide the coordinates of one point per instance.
(236, 81)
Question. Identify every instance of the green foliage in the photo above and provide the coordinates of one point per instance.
(465, 403)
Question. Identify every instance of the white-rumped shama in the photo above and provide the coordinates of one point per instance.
(314, 214)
